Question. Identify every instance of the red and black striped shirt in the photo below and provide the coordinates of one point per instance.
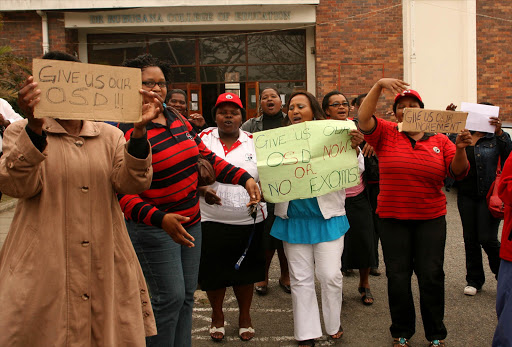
(411, 172)
(175, 148)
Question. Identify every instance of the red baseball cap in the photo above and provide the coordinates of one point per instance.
(229, 97)
(409, 92)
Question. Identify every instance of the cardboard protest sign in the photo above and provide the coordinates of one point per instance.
(479, 116)
(306, 160)
(71, 90)
(433, 121)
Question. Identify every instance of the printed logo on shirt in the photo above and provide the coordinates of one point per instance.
(248, 156)
(189, 136)
(437, 150)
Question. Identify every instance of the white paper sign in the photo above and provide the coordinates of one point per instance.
(479, 116)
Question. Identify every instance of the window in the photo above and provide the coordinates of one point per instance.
(216, 58)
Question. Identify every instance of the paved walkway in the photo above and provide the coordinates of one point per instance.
(470, 320)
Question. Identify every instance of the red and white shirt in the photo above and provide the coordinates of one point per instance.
(233, 198)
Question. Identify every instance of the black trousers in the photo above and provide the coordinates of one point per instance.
(415, 245)
(480, 230)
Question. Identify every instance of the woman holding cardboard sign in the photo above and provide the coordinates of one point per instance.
(164, 221)
(68, 273)
(313, 232)
(479, 227)
(412, 209)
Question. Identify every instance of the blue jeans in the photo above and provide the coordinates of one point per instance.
(171, 272)
(480, 230)
(503, 334)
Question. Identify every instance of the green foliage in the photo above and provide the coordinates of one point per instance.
(13, 72)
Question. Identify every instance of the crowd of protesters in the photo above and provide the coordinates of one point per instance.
(113, 233)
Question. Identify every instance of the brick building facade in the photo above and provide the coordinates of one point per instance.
(494, 55)
(352, 54)
(355, 43)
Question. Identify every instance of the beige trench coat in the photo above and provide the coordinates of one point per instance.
(68, 273)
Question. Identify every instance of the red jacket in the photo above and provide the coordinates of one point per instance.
(505, 194)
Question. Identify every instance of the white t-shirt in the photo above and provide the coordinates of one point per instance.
(233, 197)
(8, 113)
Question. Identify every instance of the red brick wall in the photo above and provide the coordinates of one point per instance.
(22, 31)
(494, 55)
(368, 45)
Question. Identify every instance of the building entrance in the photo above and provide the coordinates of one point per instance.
(201, 98)
(208, 64)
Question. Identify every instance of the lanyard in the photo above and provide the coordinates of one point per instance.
(253, 211)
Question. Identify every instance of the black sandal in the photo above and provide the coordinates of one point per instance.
(367, 294)
(309, 343)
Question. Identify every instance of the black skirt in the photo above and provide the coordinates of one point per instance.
(359, 249)
(222, 246)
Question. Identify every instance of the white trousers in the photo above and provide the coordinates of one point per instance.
(304, 261)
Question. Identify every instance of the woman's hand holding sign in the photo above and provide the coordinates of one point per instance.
(152, 106)
(356, 138)
(28, 98)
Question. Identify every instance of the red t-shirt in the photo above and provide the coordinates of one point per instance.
(411, 176)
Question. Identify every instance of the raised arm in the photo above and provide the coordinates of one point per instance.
(369, 105)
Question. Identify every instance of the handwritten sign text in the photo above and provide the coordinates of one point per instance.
(71, 90)
(433, 121)
(306, 160)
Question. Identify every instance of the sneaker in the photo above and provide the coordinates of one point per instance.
(470, 290)
(439, 343)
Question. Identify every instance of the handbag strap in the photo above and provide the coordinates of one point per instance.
(177, 115)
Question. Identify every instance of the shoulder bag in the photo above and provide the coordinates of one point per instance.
(494, 203)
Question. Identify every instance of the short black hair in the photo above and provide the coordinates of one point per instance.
(325, 101)
(273, 88)
(175, 91)
(58, 55)
(147, 60)
(359, 99)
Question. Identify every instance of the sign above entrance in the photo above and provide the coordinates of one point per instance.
(170, 16)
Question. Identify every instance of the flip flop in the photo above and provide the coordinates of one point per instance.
(367, 294)
(214, 330)
(245, 330)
